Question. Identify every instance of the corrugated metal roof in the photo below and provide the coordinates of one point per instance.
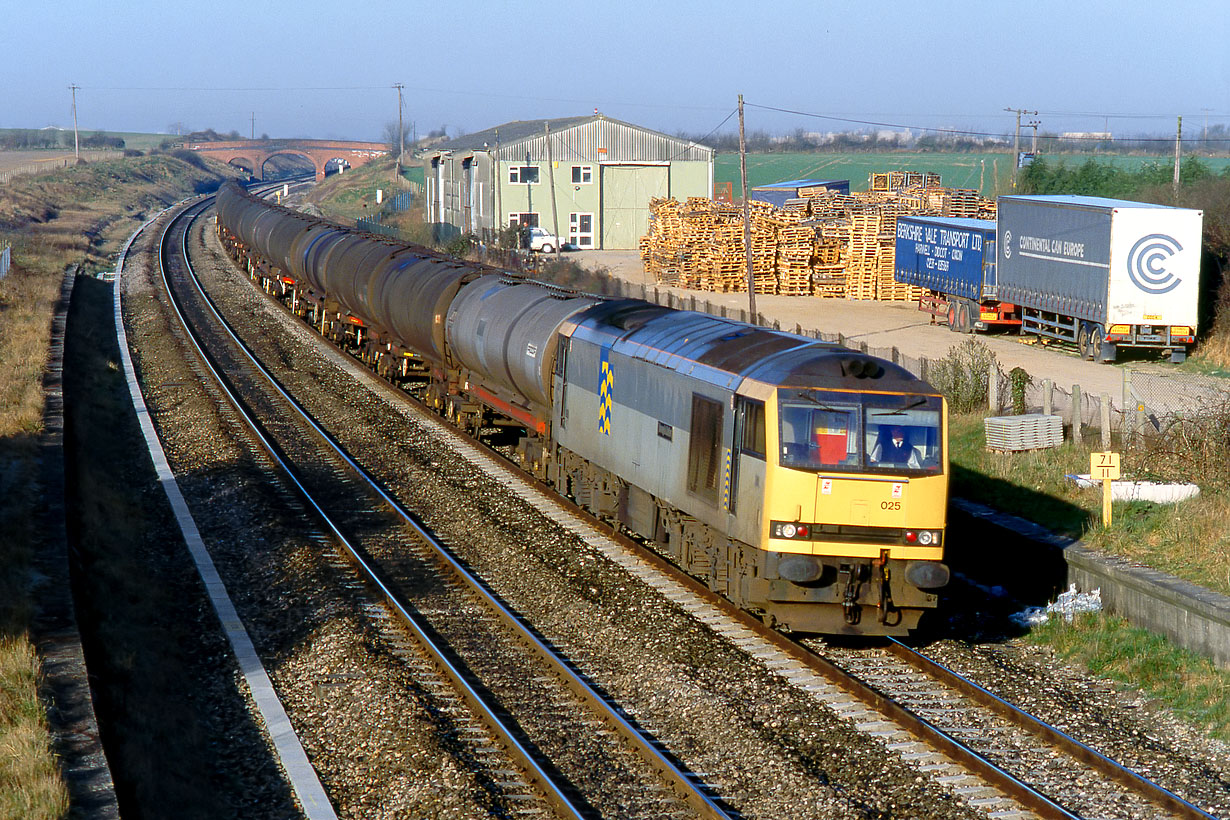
(593, 138)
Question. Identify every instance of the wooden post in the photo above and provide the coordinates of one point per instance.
(1078, 415)
(1048, 397)
(747, 218)
(993, 388)
(1106, 421)
(922, 367)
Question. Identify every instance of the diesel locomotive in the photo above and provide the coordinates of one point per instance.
(805, 481)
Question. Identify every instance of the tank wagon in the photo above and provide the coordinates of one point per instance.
(805, 481)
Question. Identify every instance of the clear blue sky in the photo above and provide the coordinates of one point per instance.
(325, 69)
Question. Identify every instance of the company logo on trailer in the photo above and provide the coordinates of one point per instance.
(1146, 263)
(1007, 244)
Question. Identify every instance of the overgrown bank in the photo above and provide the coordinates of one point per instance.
(76, 215)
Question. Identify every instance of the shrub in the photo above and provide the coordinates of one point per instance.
(962, 375)
(459, 245)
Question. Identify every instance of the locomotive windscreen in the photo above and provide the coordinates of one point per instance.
(860, 432)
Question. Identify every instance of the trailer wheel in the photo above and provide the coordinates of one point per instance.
(966, 322)
(1095, 344)
(1082, 342)
(954, 318)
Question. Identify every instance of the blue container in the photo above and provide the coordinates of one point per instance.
(779, 192)
(947, 255)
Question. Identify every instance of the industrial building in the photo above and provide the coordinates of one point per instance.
(586, 179)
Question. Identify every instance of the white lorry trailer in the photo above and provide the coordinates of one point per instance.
(1102, 273)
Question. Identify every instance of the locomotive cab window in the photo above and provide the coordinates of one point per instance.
(848, 432)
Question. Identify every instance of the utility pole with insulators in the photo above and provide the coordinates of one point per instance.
(76, 142)
(1016, 142)
(253, 125)
(747, 221)
(401, 132)
(1178, 141)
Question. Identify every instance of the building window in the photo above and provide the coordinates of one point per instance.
(525, 174)
(582, 174)
(581, 230)
(523, 220)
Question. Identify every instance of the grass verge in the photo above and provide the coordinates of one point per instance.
(77, 214)
(1189, 540)
(1187, 684)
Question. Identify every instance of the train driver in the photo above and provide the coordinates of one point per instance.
(893, 447)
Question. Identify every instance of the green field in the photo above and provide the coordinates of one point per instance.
(956, 170)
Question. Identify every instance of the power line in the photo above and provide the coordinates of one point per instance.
(956, 130)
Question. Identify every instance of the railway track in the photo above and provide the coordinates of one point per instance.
(989, 793)
(523, 696)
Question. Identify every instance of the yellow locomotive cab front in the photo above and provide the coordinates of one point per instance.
(855, 504)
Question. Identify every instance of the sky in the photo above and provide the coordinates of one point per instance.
(326, 69)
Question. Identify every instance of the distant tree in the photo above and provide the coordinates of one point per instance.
(393, 138)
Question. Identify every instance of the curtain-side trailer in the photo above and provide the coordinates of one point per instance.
(953, 259)
(1102, 273)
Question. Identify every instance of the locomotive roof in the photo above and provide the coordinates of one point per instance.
(724, 351)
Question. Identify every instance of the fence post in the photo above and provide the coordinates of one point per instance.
(896, 355)
(993, 388)
(1048, 397)
(1106, 421)
(1078, 415)
(923, 367)
(862, 347)
(723, 311)
(841, 339)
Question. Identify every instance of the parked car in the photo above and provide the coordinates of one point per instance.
(542, 240)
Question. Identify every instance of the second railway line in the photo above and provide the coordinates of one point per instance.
(574, 581)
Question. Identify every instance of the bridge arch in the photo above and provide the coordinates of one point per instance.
(319, 152)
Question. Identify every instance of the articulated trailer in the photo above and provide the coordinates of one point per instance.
(953, 259)
(1104, 274)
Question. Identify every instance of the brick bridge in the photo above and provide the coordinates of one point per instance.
(252, 154)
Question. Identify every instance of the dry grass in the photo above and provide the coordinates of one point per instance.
(79, 214)
(30, 786)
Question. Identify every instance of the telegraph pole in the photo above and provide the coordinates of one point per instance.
(76, 142)
(401, 133)
(1178, 141)
(1016, 141)
(747, 221)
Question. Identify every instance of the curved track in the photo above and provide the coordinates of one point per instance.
(999, 788)
(308, 455)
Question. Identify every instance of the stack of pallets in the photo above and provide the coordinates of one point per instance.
(961, 202)
(823, 243)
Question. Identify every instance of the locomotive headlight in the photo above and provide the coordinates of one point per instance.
(789, 530)
(925, 537)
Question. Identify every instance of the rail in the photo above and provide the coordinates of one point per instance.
(682, 783)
